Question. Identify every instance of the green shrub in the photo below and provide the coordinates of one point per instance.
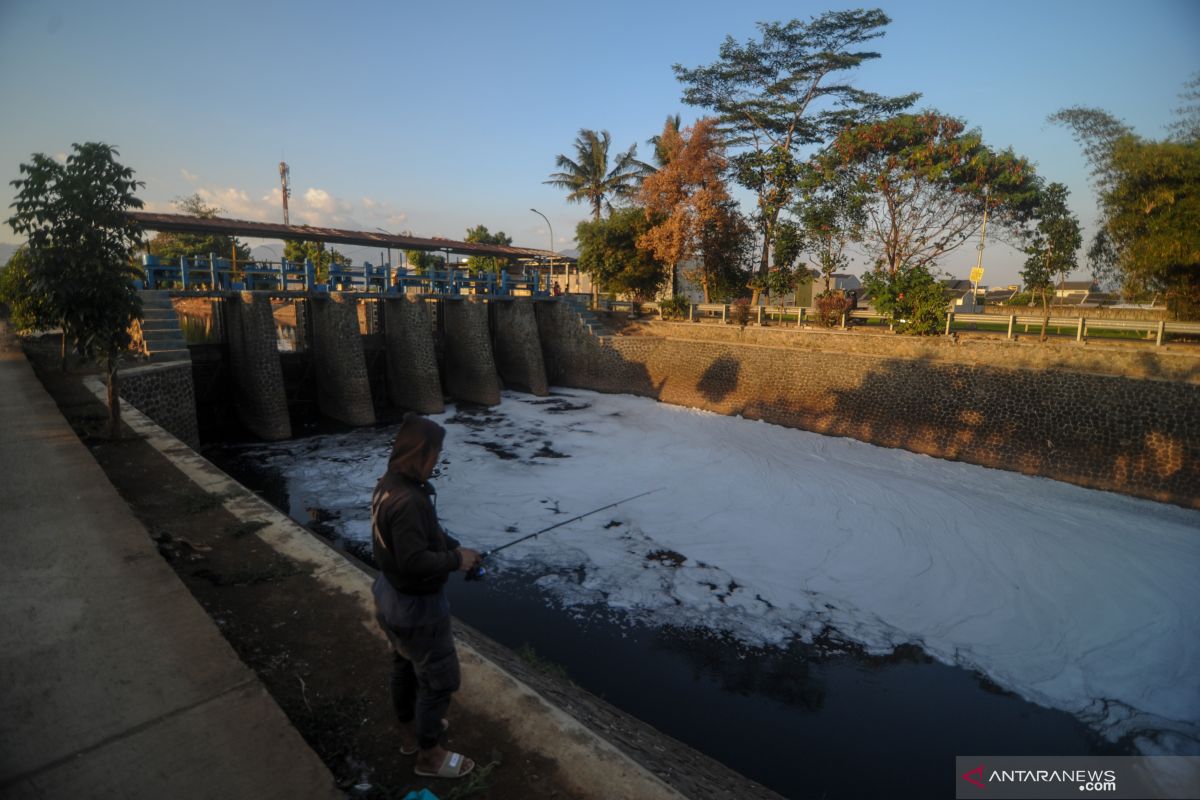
(676, 307)
(912, 298)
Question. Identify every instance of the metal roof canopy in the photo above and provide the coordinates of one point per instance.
(182, 223)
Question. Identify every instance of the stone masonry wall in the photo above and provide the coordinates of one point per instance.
(343, 387)
(261, 399)
(470, 366)
(1140, 437)
(517, 348)
(412, 370)
(166, 394)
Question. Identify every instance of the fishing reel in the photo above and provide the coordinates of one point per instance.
(477, 572)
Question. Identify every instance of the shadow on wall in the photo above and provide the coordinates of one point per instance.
(1139, 437)
(1118, 434)
(720, 379)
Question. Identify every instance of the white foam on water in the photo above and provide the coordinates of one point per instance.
(1075, 599)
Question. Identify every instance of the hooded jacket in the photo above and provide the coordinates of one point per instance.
(411, 549)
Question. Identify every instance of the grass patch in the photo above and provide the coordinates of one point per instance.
(477, 782)
(540, 664)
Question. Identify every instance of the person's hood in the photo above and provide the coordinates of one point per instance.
(417, 439)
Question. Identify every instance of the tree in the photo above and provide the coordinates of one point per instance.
(912, 298)
(1149, 224)
(929, 181)
(1186, 127)
(778, 95)
(1151, 218)
(28, 310)
(170, 246)
(661, 155)
(1052, 246)
(689, 197)
(588, 179)
(480, 235)
(81, 242)
(322, 258)
(424, 262)
(609, 252)
(727, 254)
(830, 215)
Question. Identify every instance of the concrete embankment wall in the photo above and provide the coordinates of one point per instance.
(343, 388)
(412, 370)
(165, 393)
(518, 349)
(1137, 436)
(254, 357)
(470, 365)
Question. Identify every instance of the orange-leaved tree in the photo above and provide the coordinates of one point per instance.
(700, 221)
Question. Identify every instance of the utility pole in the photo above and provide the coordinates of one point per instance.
(285, 180)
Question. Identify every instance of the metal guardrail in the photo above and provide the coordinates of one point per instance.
(218, 274)
(1159, 330)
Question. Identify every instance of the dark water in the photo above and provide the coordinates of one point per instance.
(819, 721)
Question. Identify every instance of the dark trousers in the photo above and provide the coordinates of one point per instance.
(425, 674)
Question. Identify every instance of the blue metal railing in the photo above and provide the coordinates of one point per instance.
(217, 274)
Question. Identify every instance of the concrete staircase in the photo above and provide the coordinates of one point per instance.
(161, 330)
(589, 320)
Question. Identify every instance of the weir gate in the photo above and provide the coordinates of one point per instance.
(358, 351)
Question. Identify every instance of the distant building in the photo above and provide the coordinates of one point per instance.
(1072, 293)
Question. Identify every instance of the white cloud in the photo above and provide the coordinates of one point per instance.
(60, 158)
(187, 176)
(235, 203)
(314, 206)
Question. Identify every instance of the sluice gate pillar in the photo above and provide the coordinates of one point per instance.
(343, 388)
(412, 368)
(261, 399)
(470, 367)
(518, 349)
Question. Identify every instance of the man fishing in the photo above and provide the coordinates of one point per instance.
(415, 557)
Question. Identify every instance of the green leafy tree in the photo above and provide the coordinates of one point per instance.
(830, 215)
(588, 178)
(727, 255)
(913, 299)
(424, 262)
(1186, 127)
(28, 310)
(609, 252)
(170, 246)
(781, 93)
(316, 252)
(480, 235)
(1149, 223)
(928, 181)
(81, 243)
(1051, 248)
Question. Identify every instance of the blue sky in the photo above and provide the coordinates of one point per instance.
(438, 118)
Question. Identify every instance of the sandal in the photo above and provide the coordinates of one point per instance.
(412, 751)
(455, 765)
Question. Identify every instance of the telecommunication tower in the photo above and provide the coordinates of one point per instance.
(285, 180)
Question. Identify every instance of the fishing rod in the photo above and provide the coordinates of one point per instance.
(479, 571)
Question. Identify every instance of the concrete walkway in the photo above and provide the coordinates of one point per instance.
(114, 683)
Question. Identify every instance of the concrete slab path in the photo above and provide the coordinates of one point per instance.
(114, 682)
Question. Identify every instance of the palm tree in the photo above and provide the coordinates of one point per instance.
(588, 178)
(660, 155)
